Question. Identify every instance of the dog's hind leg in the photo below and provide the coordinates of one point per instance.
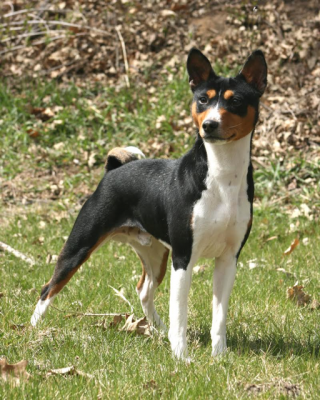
(153, 256)
(86, 236)
(154, 265)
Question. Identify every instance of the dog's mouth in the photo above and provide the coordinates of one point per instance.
(215, 139)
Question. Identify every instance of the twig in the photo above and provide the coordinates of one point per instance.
(33, 44)
(62, 23)
(267, 107)
(16, 253)
(291, 112)
(53, 11)
(126, 65)
(279, 199)
(256, 159)
(26, 35)
(67, 64)
(95, 315)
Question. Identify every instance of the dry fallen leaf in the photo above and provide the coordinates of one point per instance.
(33, 133)
(199, 269)
(151, 385)
(92, 160)
(289, 274)
(17, 327)
(315, 305)
(116, 321)
(271, 238)
(140, 326)
(305, 241)
(101, 324)
(62, 371)
(255, 263)
(68, 371)
(296, 293)
(13, 372)
(290, 249)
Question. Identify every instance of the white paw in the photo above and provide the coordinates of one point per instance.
(219, 344)
(179, 347)
(162, 327)
(155, 320)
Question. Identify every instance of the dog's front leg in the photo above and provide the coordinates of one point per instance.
(223, 279)
(179, 291)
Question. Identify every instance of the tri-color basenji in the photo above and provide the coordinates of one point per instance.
(199, 205)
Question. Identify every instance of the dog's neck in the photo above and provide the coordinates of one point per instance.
(228, 163)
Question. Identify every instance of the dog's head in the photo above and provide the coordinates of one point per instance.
(226, 109)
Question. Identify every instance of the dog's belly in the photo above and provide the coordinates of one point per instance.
(219, 226)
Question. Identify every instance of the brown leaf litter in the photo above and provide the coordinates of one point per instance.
(280, 387)
(301, 298)
(13, 373)
(66, 43)
(292, 246)
(140, 326)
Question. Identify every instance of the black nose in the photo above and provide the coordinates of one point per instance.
(210, 126)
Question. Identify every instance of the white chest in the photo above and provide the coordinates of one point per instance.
(222, 214)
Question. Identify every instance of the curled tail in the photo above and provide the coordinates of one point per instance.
(122, 155)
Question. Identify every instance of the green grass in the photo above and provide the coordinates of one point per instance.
(271, 341)
(86, 120)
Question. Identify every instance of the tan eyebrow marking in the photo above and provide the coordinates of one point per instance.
(228, 94)
(211, 93)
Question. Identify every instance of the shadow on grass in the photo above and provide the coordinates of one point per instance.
(274, 344)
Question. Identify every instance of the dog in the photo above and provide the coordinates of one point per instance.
(197, 206)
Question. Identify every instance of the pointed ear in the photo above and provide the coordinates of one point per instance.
(199, 68)
(255, 71)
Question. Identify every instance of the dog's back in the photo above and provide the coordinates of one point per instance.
(197, 206)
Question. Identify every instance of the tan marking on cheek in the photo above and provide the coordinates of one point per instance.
(211, 93)
(236, 126)
(228, 94)
(199, 117)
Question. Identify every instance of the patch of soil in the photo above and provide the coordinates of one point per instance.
(281, 388)
(209, 25)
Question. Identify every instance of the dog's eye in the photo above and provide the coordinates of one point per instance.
(203, 100)
(235, 101)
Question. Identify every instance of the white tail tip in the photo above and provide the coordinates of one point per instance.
(135, 150)
(41, 309)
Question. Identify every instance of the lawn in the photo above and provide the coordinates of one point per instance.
(55, 141)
